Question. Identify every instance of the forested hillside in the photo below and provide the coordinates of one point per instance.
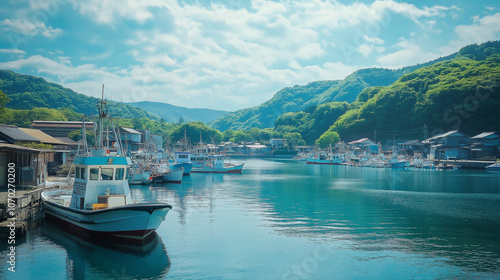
(462, 93)
(26, 92)
(298, 98)
(289, 99)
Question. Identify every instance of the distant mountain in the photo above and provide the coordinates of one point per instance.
(27, 92)
(298, 98)
(171, 113)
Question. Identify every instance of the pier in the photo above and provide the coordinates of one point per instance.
(466, 164)
(27, 205)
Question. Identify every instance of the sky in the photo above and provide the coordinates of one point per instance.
(228, 54)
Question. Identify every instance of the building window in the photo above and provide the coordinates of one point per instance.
(82, 174)
(94, 174)
(77, 172)
(119, 173)
(106, 174)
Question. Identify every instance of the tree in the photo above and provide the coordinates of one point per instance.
(195, 130)
(3, 100)
(227, 135)
(76, 135)
(328, 138)
(294, 139)
(239, 136)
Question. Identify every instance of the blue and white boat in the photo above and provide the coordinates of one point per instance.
(493, 167)
(182, 160)
(99, 205)
(216, 164)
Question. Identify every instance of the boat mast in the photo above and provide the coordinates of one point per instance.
(103, 112)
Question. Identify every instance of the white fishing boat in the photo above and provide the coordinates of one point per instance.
(167, 175)
(182, 160)
(99, 205)
(493, 167)
(216, 164)
(138, 176)
(332, 159)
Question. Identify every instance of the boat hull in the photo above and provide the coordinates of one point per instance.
(230, 169)
(132, 223)
(323, 161)
(494, 167)
(173, 176)
(186, 165)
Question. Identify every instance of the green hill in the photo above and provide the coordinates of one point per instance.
(171, 113)
(461, 93)
(298, 98)
(26, 92)
(289, 99)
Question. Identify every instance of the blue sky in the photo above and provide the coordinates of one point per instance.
(228, 54)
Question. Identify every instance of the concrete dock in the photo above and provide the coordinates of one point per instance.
(16, 209)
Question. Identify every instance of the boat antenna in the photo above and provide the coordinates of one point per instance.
(84, 137)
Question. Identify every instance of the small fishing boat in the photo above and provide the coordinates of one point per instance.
(167, 175)
(182, 160)
(333, 159)
(139, 177)
(99, 205)
(493, 167)
(216, 164)
(173, 175)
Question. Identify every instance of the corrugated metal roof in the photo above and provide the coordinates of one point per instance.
(67, 141)
(483, 135)
(358, 141)
(13, 134)
(12, 147)
(60, 124)
(130, 130)
(446, 135)
(43, 137)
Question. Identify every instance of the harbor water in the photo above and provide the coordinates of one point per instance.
(283, 219)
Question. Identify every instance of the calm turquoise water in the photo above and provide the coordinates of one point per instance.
(288, 220)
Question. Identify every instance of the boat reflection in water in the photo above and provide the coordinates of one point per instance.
(109, 260)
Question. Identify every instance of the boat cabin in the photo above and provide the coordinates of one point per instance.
(101, 181)
(216, 161)
(182, 157)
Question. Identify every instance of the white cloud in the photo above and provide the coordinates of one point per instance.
(98, 57)
(106, 12)
(190, 54)
(483, 29)
(408, 53)
(29, 28)
(12, 51)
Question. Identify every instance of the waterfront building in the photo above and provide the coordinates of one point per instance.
(277, 143)
(364, 145)
(449, 146)
(60, 128)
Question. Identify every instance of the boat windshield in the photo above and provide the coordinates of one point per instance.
(106, 174)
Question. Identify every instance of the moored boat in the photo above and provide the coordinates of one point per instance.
(182, 160)
(216, 164)
(493, 167)
(334, 159)
(99, 205)
(173, 175)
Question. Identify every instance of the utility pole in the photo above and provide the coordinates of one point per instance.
(426, 132)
